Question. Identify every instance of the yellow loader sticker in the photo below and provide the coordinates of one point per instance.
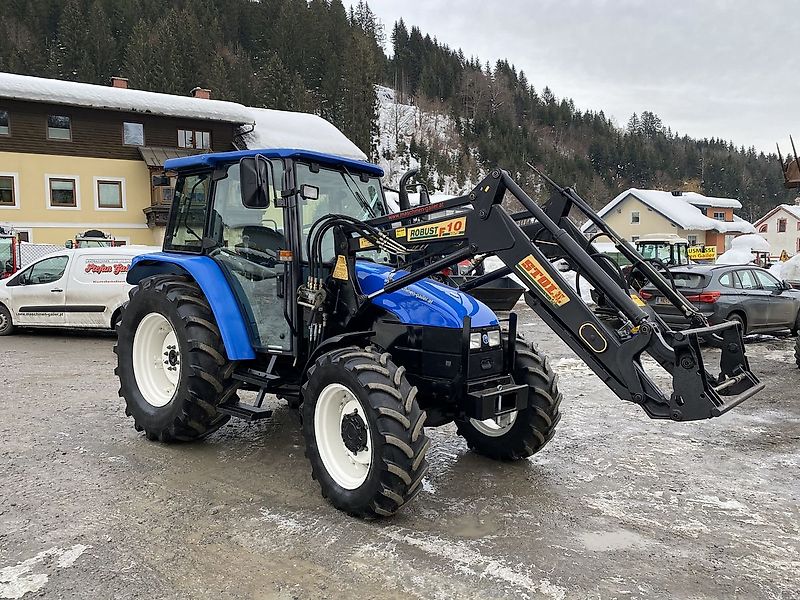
(449, 228)
(532, 270)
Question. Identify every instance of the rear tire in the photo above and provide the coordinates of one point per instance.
(364, 432)
(531, 428)
(716, 340)
(171, 361)
(6, 324)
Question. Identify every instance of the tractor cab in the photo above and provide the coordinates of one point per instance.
(93, 238)
(669, 249)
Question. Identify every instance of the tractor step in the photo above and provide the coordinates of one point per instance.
(248, 412)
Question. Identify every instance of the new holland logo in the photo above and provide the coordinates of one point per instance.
(533, 270)
(450, 228)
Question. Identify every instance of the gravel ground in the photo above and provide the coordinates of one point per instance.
(616, 506)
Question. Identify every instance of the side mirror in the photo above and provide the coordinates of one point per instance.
(69, 244)
(402, 187)
(309, 192)
(161, 181)
(255, 175)
(786, 285)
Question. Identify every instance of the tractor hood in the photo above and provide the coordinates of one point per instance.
(425, 302)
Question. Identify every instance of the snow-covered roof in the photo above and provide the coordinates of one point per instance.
(284, 129)
(792, 209)
(679, 210)
(262, 128)
(55, 91)
(701, 200)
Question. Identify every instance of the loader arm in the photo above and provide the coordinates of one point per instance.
(612, 343)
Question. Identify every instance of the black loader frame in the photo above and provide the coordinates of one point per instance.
(611, 339)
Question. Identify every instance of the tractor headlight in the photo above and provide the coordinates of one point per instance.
(475, 341)
(494, 338)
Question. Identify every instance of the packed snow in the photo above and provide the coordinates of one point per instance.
(682, 210)
(55, 91)
(742, 249)
(284, 129)
(787, 271)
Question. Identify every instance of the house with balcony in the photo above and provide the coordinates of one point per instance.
(702, 220)
(77, 157)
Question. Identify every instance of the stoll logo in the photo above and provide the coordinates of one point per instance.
(533, 271)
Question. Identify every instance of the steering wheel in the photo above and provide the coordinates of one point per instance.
(250, 270)
(268, 257)
(660, 265)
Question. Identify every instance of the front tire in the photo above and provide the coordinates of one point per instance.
(364, 432)
(521, 433)
(171, 361)
(6, 324)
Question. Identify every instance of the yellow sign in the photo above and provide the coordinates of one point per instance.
(400, 232)
(364, 243)
(449, 228)
(340, 270)
(637, 301)
(532, 269)
(702, 252)
(784, 256)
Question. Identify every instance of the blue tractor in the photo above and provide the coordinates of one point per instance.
(283, 273)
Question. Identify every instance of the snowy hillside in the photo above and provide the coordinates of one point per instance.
(412, 137)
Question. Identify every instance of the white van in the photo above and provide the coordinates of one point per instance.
(82, 288)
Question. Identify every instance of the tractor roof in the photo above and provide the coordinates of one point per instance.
(219, 158)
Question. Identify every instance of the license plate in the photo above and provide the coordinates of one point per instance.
(662, 300)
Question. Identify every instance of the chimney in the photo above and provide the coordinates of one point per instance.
(677, 193)
(203, 93)
(119, 82)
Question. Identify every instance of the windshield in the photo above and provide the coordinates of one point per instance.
(341, 193)
(659, 250)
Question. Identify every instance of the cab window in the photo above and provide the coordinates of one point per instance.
(45, 271)
(748, 280)
(188, 216)
(729, 280)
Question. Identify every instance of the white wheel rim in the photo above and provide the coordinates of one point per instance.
(346, 468)
(156, 359)
(497, 426)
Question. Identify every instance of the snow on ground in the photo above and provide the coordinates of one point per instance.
(742, 248)
(787, 271)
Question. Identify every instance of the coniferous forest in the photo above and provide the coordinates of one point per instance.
(321, 57)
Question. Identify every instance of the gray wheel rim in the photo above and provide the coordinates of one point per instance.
(4, 320)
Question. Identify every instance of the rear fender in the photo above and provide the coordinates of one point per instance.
(360, 338)
(208, 275)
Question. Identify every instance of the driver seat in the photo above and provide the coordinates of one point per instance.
(263, 238)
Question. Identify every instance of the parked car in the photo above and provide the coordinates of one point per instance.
(744, 293)
(82, 288)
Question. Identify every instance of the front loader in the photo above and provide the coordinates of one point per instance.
(284, 273)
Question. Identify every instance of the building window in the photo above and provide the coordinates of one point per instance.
(133, 134)
(59, 127)
(781, 225)
(109, 193)
(8, 190)
(692, 239)
(719, 216)
(194, 139)
(5, 128)
(634, 238)
(764, 227)
(635, 216)
(798, 226)
(62, 191)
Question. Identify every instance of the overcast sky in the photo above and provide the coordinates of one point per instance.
(721, 68)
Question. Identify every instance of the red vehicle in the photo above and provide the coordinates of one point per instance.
(9, 253)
